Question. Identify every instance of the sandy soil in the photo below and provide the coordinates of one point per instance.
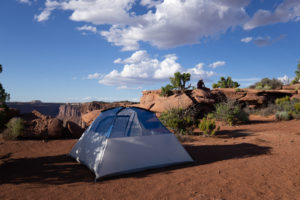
(260, 160)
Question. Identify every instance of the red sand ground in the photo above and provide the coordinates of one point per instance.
(260, 160)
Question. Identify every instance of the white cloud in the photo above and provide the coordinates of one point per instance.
(45, 14)
(94, 76)
(177, 22)
(141, 69)
(267, 40)
(246, 39)
(170, 24)
(92, 29)
(217, 64)
(125, 87)
(94, 11)
(285, 79)
(25, 1)
(150, 3)
(288, 10)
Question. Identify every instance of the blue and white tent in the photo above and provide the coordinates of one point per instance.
(123, 140)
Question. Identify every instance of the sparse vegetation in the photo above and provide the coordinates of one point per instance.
(297, 72)
(284, 109)
(208, 126)
(283, 115)
(267, 84)
(230, 112)
(178, 120)
(3, 98)
(14, 129)
(167, 90)
(226, 83)
(178, 82)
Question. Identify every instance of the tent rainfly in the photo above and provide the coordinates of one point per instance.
(124, 140)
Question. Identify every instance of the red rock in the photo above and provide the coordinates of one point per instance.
(88, 118)
(74, 129)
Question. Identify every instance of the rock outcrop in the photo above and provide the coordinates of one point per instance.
(203, 100)
(200, 98)
(75, 130)
(253, 97)
(89, 117)
(40, 126)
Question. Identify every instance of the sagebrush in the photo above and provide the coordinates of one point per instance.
(179, 120)
(230, 112)
(14, 129)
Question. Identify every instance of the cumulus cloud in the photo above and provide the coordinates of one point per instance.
(288, 10)
(92, 29)
(217, 64)
(140, 68)
(246, 39)
(178, 22)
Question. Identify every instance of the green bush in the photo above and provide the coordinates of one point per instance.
(178, 120)
(14, 129)
(282, 101)
(208, 126)
(230, 112)
(226, 83)
(283, 115)
(267, 84)
(297, 107)
(167, 90)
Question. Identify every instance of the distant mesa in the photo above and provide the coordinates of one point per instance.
(36, 101)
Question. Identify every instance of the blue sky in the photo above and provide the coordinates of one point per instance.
(111, 50)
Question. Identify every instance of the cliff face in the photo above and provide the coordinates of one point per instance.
(70, 112)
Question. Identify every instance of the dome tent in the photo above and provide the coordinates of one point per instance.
(123, 140)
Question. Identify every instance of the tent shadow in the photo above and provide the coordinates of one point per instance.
(232, 133)
(61, 169)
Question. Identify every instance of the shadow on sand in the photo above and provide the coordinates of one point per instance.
(61, 169)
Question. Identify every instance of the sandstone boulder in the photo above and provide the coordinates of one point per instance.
(75, 130)
(55, 128)
(88, 118)
(291, 87)
(40, 126)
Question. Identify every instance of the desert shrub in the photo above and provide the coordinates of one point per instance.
(297, 72)
(297, 107)
(230, 112)
(283, 100)
(167, 90)
(178, 120)
(226, 83)
(286, 104)
(267, 84)
(208, 126)
(271, 109)
(283, 115)
(14, 129)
